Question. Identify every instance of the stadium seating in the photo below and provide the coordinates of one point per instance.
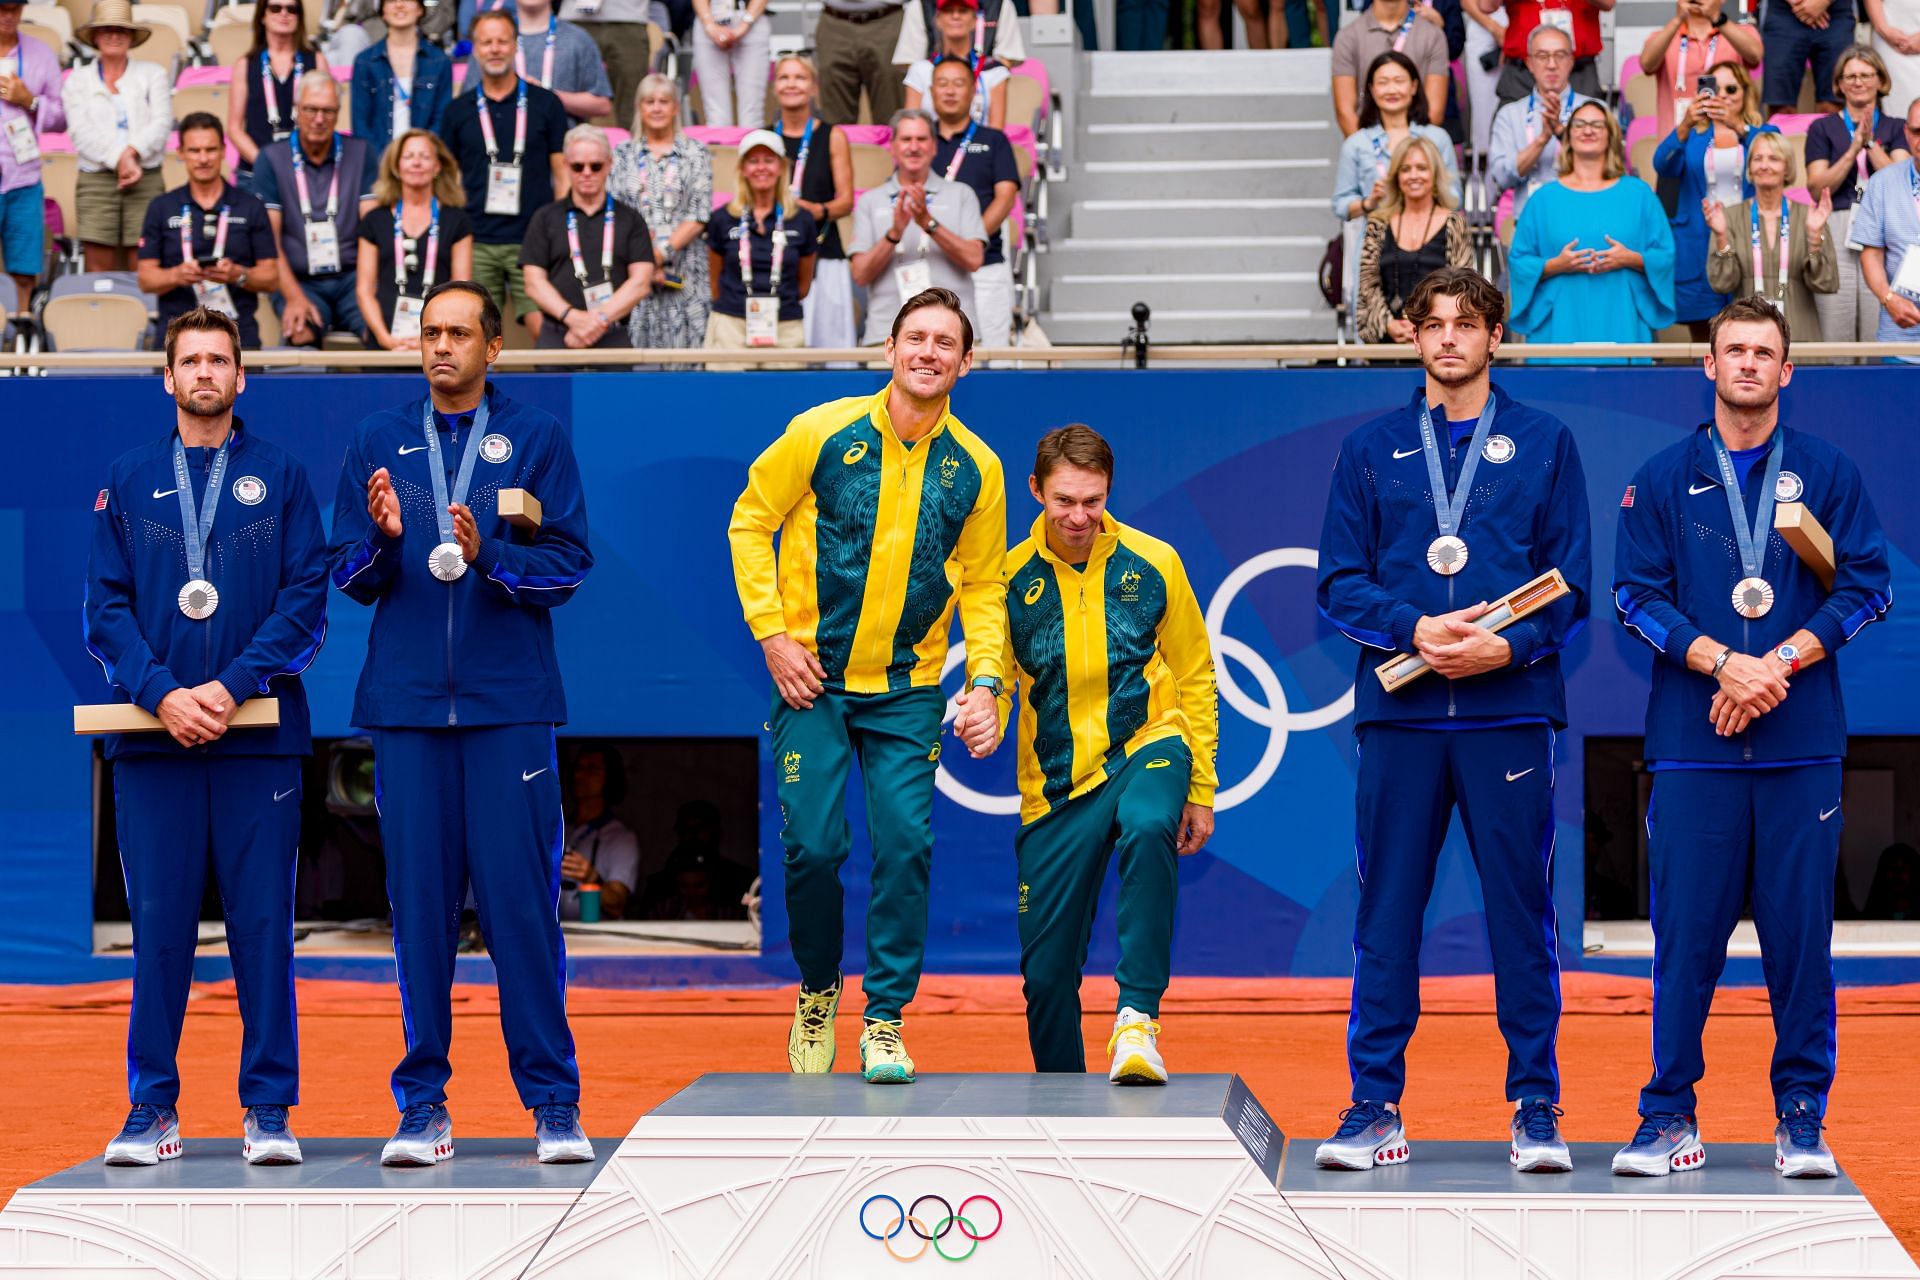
(100, 311)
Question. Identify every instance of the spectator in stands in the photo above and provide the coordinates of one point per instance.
(1360, 175)
(1895, 891)
(992, 31)
(1707, 159)
(1799, 34)
(1676, 55)
(619, 28)
(1291, 23)
(209, 244)
(601, 849)
(560, 57)
(312, 185)
(401, 83)
(266, 81)
(1896, 38)
(957, 22)
(1592, 257)
(1481, 62)
(1844, 150)
(583, 274)
(1770, 245)
(668, 177)
(916, 231)
(119, 113)
(1886, 231)
(507, 135)
(1417, 230)
(760, 251)
(823, 186)
(730, 44)
(698, 882)
(416, 234)
(1390, 26)
(1525, 150)
(854, 45)
(980, 158)
(30, 94)
(1578, 18)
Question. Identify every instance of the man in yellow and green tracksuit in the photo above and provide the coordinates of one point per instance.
(1117, 734)
(888, 510)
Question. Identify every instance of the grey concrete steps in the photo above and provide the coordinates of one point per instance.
(1187, 108)
(1187, 255)
(1224, 291)
(1153, 218)
(1206, 140)
(1098, 328)
(1190, 179)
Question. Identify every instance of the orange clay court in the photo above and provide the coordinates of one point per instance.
(1285, 1037)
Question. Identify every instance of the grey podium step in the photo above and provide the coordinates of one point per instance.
(335, 1164)
(1481, 1169)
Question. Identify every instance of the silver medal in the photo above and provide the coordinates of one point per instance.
(1752, 597)
(1446, 555)
(198, 599)
(446, 562)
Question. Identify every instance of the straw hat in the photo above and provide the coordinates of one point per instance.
(111, 14)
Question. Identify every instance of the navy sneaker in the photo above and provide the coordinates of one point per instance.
(558, 1138)
(1537, 1144)
(1798, 1149)
(268, 1139)
(425, 1136)
(1664, 1143)
(1369, 1134)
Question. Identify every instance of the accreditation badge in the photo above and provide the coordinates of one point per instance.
(26, 147)
(763, 322)
(406, 317)
(503, 189)
(323, 248)
(216, 297)
(916, 278)
(599, 295)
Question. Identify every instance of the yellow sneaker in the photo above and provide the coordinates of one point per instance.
(1136, 1051)
(810, 1043)
(883, 1056)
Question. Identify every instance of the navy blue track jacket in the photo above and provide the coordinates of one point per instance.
(1675, 568)
(477, 651)
(1526, 514)
(266, 555)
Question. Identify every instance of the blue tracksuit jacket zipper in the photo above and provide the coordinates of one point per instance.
(453, 707)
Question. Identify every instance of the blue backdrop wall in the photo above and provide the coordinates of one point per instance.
(1230, 466)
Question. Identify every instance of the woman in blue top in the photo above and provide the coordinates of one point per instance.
(1387, 96)
(1592, 256)
(760, 252)
(401, 83)
(1707, 153)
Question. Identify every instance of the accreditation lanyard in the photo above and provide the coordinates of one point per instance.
(1400, 36)
(266, 89)
(1448, 508)
(519, 125)
(777, 250)
(1750, 537)
(1753, 212)
(979, 50)
(402, 100)
(546, 61)
(333, 188)
(669, 190)
(1380, 151)
(1533, 111)
(186, 236)
(116, 101)
(1712, 163)
(606, 245)
(429, 261)
(1860, 161)
(197, 527)
(464, 481)
(800, 161)
(1680, 66)
(960, 154)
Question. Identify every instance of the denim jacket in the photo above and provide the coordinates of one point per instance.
(373, 93)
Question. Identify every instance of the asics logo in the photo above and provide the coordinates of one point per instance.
(529, 777)
(908, 1219)
(164, 493)
(1829, 813)
(1034, 589)
(1158, 763)
(1701, 488)
(854, 454)
(1404, 453)
(278, 796)
(406, 449)
(1515, 777)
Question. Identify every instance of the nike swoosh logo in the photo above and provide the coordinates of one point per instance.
(164, 493)
(406, 449)
(1404, 453)
(1515, 777)
(529, 777)
(1701, 488)
(278, 796)
(1829, 813)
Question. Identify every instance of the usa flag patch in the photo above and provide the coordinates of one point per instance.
(100, 503)
(1626, 499)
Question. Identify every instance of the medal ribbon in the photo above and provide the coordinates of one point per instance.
(606, 245)
(300, 181)
(1751, 538)
(519, 126)
(1449, 507)
(196, 528)
(429, 262)
(546, 62)
(960, 156)
(1758, 282)
(777, 250)
(464, 481)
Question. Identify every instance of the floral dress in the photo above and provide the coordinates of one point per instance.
(668, 191)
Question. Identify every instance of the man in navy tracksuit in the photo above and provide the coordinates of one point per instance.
(461, 690)
(207, 586)
(1454, 500)
(1745, 733)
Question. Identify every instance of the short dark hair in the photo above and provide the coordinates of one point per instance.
(489, 309)
(1369, 112)
(198, 120)
(201, 320)
(935, 297)
(494, 15)
(1077, 445)
(955, 59)
(1752, 307)
(1475, 294)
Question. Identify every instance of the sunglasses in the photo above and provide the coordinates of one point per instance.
(591, 166)
(283, 8)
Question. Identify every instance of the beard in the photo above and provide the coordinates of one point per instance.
(1461, 376)
(1735, 396)
(203, 403)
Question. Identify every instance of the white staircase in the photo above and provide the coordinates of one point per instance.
(1200, 185)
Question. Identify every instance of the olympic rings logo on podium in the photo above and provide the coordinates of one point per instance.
(1270, 711)
(908, 1219)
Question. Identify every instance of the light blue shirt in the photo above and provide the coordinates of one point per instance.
(1886, 219)
(1363, 155)
(1513, 127)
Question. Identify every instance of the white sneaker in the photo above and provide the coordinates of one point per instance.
(150, 1135)
(1135, 1049)
(425, 1136)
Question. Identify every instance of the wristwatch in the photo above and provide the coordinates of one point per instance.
(1720, 662)
(933, 225)
(1789, 654)
(241, 279)
(990, 683)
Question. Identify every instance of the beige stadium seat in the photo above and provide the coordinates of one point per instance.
(269, 322)
(171, 16)
(242, 15)
(59, 175)
(211, 98)
(78, 11)
(95, 322)
(1025, 98)
(49, 23)
(1642, 94)
(726, 169)
(49, 36)
(229, 43)
(1641, 161)
(163, 48)
(872, 165)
